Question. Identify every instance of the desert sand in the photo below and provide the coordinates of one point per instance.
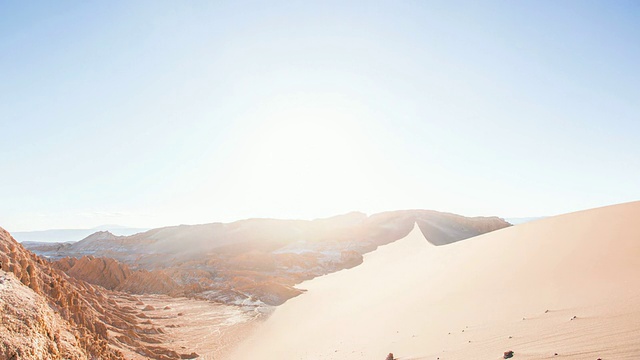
(565, 287)
(206, 329)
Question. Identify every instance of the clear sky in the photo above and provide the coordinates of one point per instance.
(152, 113)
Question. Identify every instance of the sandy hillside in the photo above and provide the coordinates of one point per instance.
(513, 289)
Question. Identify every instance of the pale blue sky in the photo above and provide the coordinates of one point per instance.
(151, 113)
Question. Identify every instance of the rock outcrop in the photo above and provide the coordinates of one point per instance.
(29, 328)
(108, 273)
(114, 275)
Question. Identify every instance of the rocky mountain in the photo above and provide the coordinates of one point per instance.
(254, 261)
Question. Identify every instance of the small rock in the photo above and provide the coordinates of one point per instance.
(508, 354)
(390, 356)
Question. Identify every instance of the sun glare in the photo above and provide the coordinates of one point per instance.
(307, 154)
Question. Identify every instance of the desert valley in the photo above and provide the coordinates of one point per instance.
(418, 284)
(202, 286)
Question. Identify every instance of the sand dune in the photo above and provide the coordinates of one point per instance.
(515, 289)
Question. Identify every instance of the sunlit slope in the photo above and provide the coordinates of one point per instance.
(513, 289)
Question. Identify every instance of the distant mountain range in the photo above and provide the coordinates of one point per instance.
(71, 235)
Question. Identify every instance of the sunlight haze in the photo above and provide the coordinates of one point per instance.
(150, 113)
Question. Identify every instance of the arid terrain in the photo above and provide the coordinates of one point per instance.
(250, 262)
(208, 330)
(184, 292)
(68, 318)
(563, 287)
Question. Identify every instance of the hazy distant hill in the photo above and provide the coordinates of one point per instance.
(522, 220)
(64, 235)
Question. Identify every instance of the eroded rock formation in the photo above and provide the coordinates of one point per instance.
(114, 275)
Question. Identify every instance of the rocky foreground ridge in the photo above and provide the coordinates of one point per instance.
(46, 314)
(248, 262)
